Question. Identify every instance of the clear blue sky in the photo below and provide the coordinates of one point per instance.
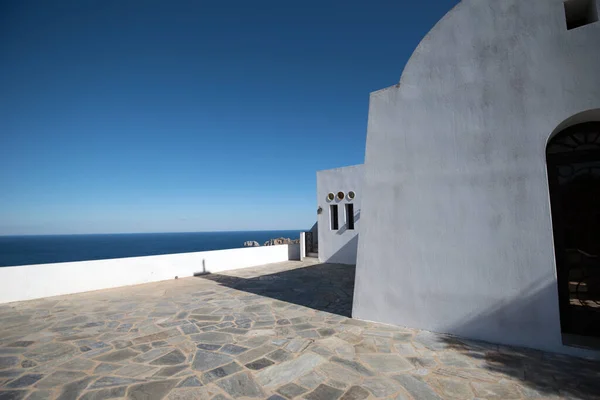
(153, 116)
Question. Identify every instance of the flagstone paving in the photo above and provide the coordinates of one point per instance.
(252, 334)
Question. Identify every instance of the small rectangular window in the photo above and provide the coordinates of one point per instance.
(350, 216)
(333, 217)
(580, 13)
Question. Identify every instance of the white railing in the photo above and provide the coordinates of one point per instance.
(28, 282)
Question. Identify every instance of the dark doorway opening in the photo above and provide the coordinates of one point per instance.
(573, 160)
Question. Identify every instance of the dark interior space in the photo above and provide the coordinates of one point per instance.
(573, 158)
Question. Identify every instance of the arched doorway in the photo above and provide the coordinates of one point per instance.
(573, 160)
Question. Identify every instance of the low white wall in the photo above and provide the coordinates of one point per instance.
(28, 282)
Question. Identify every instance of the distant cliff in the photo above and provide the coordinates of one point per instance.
(272, 242)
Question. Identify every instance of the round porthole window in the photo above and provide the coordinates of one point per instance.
(351, 195)
(341, 195)
(330, 197)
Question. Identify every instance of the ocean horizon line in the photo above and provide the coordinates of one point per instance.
(148, 233)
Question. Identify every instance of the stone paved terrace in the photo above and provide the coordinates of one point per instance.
(251, 334)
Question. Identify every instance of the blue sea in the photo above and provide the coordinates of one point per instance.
(24, 250)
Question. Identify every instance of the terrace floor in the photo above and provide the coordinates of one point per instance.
(278, 331)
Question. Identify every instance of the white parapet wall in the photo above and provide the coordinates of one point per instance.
(27, 282)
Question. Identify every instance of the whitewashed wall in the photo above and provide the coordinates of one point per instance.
(28, 282)
(456, 233)
(339, 246)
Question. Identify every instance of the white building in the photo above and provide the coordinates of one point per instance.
(496, 118)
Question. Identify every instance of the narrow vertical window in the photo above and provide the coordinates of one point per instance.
(333, 217)
(580, 13)
(350, 216)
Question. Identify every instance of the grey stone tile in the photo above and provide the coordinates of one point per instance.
(206, 360)
(254, 354)
(51, 351)
(235, 331)
(192, 393)
(321, 351)
(312, 379)
(59, 378)
(208, 318)
(8, 362)
(40, 395)
(469, 374)
(24, 381)
(342, 385)
(259, 364)
(12, 394)
(108, 381)
(208, 346)
(212, 338)
(355, 393)
(276, 397)
(111, 393)
(255, 341)
(257, 308)
(324, 332)
(28, 364)
(14, 350)
(456, 388)
(191, 381)
(416, 387)
(288, 371)
(221, 372)
(324, 392)
(233, 349)
(381, 387)
(105, 368)
(121, 344)
(21, 343)
(241, 385)
(171, 323)
(496, 391)
(10, 373)
(221, 397)
(298, 345)
(311, 334)
(386, 363)
(279, 355)
(78, 364)
(353, 365)
(156, 336)
(302, 327)
(188, 329)
(422, 362)
(291, 390)
(173, 358)
(151, 390)
(71, 391)
(432, 341)
(135, 370)
(151, 355)
(338, 372)
(142, 348)
(117, 355)
(170, 371)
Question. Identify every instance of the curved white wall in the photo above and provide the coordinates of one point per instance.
(28, 282)
(457, 231)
